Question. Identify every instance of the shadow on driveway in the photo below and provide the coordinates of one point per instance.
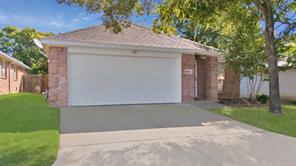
(132, 117)
(166, 135)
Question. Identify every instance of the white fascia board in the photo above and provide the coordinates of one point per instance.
(67, 43)
(221, 59)
(13, 61)
(121, 52)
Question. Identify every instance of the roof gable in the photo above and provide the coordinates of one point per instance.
(12, 59)
(135, 35)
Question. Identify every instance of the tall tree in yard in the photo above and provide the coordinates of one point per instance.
(265, 6)
(242, 43)
(281, 13)
(19, 43)
(117, 15)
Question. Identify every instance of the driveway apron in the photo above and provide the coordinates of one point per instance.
(166, 135)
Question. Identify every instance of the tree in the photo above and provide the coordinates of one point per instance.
(117, 13)
(287, 51)
(19, 43)
(266, 9)
(237, 42)
(199, 33)
(207, 11)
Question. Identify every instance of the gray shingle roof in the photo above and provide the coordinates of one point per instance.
(135, 35)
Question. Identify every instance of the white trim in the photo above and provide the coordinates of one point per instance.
(15, 61)
(121, 52)
(68, 77)
(3, 69)
(221, 59)
(180, 77)
(15, 73)
(199, 51)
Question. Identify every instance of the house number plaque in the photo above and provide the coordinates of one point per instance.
(188, 71)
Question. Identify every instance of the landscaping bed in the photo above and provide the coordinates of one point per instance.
(241, 102)
(29, 130)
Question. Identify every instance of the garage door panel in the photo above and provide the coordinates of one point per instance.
(82, 77)
(105, 79)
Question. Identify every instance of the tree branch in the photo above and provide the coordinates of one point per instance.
(259, 5)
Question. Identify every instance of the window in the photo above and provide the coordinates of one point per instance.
(3, 70)
(15, 72)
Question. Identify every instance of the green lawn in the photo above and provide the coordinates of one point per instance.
(260, 117)
(29, 130)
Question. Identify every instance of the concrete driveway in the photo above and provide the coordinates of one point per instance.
(166, 135)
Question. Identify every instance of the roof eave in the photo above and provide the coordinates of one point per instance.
(8, 58)
(66, 43)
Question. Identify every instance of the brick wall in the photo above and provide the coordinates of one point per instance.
(207, 78)
(4, 83)
(9, 84)
(16, 85)
(58, 76)
(211, 79)
(188, 80)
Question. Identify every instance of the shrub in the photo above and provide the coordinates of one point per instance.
(262, 98)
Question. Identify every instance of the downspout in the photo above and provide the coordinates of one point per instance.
(8, 77)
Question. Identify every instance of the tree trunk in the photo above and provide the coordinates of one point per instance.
(274, 92)
(259, 85)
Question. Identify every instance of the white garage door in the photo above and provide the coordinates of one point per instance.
(106, 80)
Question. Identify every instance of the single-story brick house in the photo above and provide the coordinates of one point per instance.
(93, 66)
(12, 71)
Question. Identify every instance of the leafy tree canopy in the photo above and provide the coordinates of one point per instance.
(231, 25)
(242, 25)
(19, 43)
(116, 13)
(242, 43)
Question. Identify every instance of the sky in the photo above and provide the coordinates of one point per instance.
(49, 16)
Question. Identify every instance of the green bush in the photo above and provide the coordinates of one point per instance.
(262, 98)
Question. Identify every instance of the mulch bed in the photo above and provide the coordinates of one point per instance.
(242, 102)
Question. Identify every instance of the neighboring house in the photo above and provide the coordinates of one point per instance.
(12, 71)
(93, 66)
(287, 82)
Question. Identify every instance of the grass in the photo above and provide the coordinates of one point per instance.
(29, 130)
(260, 117)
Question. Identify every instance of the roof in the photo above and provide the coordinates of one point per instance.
(10, 58)
(135, 35)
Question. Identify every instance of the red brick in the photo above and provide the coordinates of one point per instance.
(212, 79)
(188, 81)
(58, 76)
(207, 78)
(8, 84)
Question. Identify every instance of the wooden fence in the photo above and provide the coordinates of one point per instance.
(34, 83)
